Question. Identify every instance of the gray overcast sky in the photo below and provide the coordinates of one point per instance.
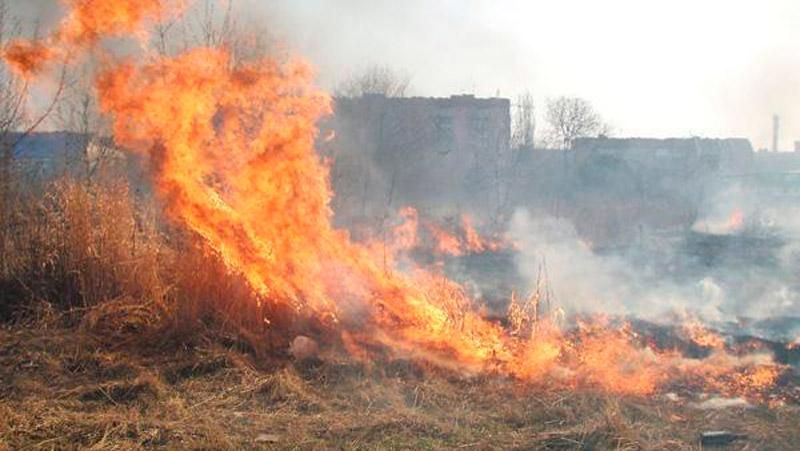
(653, 68)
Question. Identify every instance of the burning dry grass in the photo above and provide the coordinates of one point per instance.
(229, 151)
(99, 254)
(175, 333)
(66, 388)
(187, 371)
(103, 254)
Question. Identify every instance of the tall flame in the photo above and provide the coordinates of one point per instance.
(453, 244)
(87, 22)
(231, 152)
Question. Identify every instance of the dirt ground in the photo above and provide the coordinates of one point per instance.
(65, 388)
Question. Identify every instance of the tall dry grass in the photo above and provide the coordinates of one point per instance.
(103, 255)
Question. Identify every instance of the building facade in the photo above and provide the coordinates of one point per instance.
(441, 155)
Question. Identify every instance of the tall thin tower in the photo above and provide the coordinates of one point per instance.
(776, 129)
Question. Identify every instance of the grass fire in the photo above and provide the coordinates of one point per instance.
(209, 244)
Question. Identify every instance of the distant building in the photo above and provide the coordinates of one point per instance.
(616, 189)
(437, 154)
(452, 156)
(687, 156)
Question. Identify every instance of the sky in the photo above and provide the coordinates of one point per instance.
(652, 68)
(715, 68)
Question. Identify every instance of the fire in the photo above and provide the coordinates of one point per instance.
(471, 242)
(230, 149)
(701, 336)
(446, 243)
(404, 236)
(87, 23)
(91, 20)
(475, 243)
(635, 370)
(251, 130)
(27, 58)
(763, 376)
(736, 220)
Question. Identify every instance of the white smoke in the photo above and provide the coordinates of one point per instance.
(584, 281)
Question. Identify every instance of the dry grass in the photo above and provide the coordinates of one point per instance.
(120, 332)
(66, 388)
(78, 245)
(105, 255)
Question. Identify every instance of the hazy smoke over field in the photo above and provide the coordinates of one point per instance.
(723, 74)
(585, 282)
(671, 280)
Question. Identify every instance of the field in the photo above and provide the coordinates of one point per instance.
(120, 333)
(180, 283)
(66, 385)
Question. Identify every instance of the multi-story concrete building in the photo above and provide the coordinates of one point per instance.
(441, 155)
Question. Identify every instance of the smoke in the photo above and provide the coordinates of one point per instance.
(663, 282)
(583, 282)
(347, 35)
(513, 46)
(725, 210)
(34, 15)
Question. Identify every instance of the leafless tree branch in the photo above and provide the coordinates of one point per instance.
(570, 118)
(375, 79)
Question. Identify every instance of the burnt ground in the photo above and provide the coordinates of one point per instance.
(63, 387)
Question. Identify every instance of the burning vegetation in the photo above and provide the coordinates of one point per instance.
(229, 148)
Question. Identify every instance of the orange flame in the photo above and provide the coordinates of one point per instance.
(231, 153)
(404, 236)
(27, 58)
(736, 220)
(446, 243)
(701, 336)
(86, 24)
(474, 242)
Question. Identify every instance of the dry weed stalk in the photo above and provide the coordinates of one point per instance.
(526, 315)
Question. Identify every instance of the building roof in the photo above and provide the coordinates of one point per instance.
(465, 100)
(676, 144)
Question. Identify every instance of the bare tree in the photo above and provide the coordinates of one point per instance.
(12, 103)
(214, 24)
(12, 88)
(215, 29)
(375, 79)
(523, 122)
(570, 118)
(15, 123)
(79, 112)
